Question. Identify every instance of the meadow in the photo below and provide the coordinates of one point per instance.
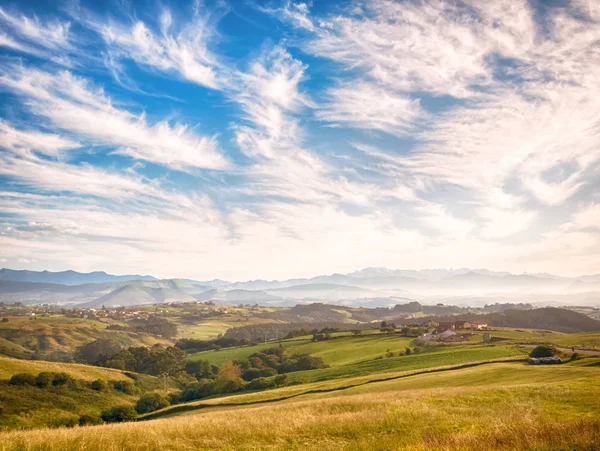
(341, 350)
(10, 367)
(497, 406)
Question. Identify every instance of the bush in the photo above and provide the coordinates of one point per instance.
(151, 402)
(125, 387)
(281, 379)
(408, 351)
(99, 385)
(22, 379)
(44, 379)
(61, 379)
(198, 390)
(118, 414)
(88, 420)
(174, 398)
(5, 320)
(261, 383)
(542, 351)
(233, 385)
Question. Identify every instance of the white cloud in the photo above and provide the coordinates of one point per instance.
(50, 35)
(516, 142)
(49, 144)
(71, 104)
(515, 122)
(369, 106)
(50, 39)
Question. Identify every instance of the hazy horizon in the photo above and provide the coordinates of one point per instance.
(209, 278)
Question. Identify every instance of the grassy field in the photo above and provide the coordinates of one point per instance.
(497, 406)
(343, 350)
(30, 406)
(202, 331)
(433, 357)
(57, 337)
(10, 367)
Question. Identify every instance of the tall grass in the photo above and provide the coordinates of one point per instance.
(553, 415)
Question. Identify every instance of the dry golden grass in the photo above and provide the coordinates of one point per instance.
(556, 415)
(10, 367)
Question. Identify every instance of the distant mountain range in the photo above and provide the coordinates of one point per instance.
(367, 287)
(65, 277)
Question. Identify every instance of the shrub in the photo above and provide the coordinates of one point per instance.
(99, 385)
(61, 379)
(261, 383)
(408, 351)
(151, 402)
(44, 379)
(88, 420)
(232, 385)
(281, 379)
(174, 398)
(22, 379)
(542, 351)
(125, 387)
(118, 414)
(5, 320)
(198, 390)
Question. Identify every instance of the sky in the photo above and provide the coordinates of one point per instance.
(273, 139)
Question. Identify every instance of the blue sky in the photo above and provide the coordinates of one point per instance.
(272, 139)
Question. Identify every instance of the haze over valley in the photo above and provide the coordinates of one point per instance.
(370, 287)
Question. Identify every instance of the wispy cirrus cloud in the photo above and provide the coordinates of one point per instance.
(372, 107)
(521, 92)
(71, 104)
(47, 39)
(180, 50)
(465, 135)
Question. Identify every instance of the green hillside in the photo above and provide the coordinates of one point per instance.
(343, 349)
(10, 367)
(56, 337)
(495, 406)
(89, 391)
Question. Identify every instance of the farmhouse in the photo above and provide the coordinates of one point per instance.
(446, 325)
(479, 325)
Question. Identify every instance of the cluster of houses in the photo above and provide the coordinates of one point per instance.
(446, 331)
(452, 325)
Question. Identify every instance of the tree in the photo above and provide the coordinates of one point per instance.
(229, 371)
(542, 351)
(156, 326)
(407, 351)
(118, 414)
(151, 402)
(198, 390)
(98, 351)
(201, 369)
